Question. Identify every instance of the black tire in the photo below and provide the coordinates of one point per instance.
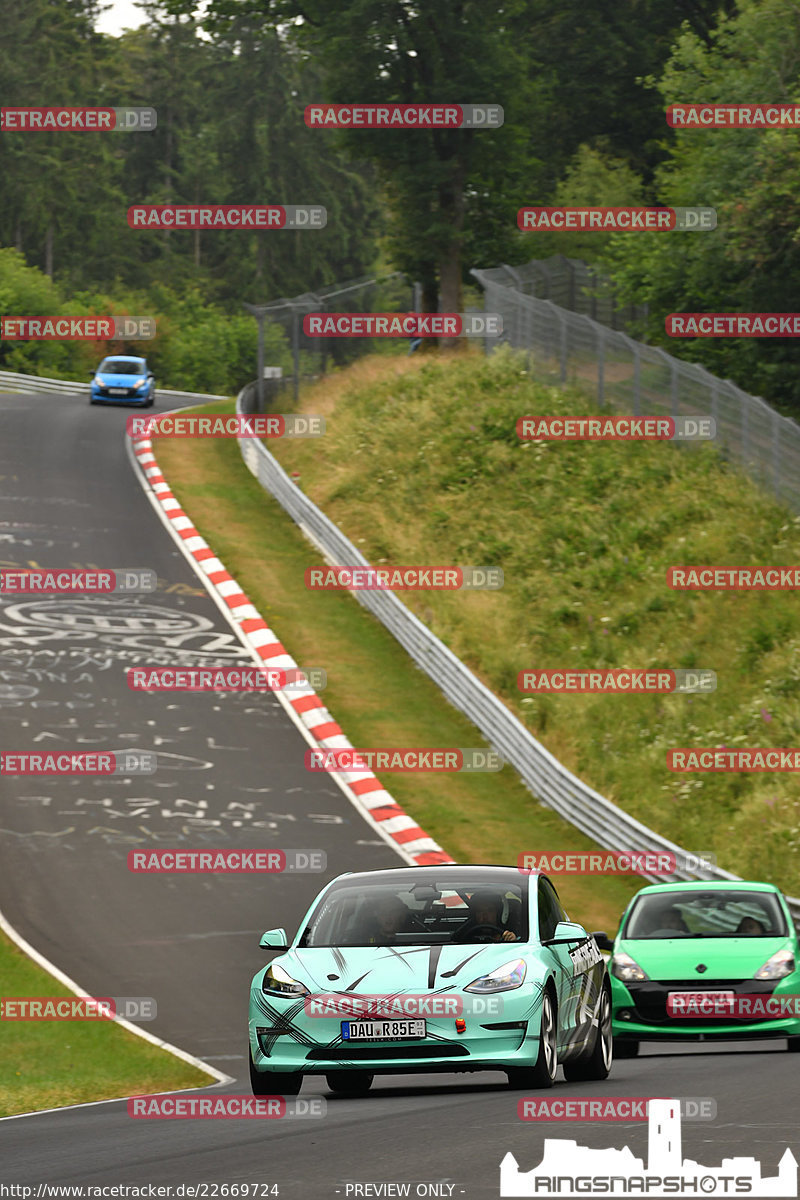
(626, 1048)
(543, 1073)
(349, 1083)
(597, 1063)
(151, 401)
(274, 1083)
(793, 1045)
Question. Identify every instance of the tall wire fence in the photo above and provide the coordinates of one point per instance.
(569, 347)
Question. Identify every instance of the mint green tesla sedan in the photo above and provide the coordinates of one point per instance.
(431, 969)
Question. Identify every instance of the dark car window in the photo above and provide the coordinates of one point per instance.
(112, 366)
(433, 912)
(689, 913)
(550, 910)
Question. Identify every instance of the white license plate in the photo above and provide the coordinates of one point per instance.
(382, 1031)
(692, 999)
(117, 391)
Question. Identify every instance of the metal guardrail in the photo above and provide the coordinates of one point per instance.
(565, 347)
(548, 780)
(11, 381)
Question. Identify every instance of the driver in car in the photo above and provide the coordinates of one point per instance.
(486, 912)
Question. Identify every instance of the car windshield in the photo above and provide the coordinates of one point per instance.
(113, 366)
(427, 914)
(722, 913)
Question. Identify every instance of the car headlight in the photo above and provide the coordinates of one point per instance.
(779, 965)
(142, 383)
(277, 982)
(503, 979)
(626, 968)
(97, 380)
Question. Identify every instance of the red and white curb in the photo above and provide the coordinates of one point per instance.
(362, 788)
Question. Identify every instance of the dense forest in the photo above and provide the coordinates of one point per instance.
(584, 86)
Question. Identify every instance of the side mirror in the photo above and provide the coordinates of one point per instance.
(604, 942)
(274, 939)
(566, 932)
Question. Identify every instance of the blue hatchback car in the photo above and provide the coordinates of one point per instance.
(123, 379)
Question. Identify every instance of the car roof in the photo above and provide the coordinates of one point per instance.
(500, 876)
(710, 885)
(124, 358)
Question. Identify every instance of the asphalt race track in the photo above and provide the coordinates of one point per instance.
(230, 774)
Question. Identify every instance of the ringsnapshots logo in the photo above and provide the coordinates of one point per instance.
(611, 1108)
(403, 579)
(176, 425)
(617, 680)
(569, 1169)
(659, 863)
(226, 679)
(616, 429)
(92, 762)
(77, 329)
(725, 759)
(732, 325)
(224, 1108)
(227, 216)
(403, 116)
(78, 1008)
(402, 325)
(70, 120)
(57, 582)
(733, 116)
(709, 578)
(409, 759)
(603, 219)
(226, 862)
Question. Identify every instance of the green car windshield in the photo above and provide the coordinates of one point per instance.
(718, 913)
(423, 914)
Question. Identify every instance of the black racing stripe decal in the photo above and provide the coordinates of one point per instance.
(463, 963)
(433, 962)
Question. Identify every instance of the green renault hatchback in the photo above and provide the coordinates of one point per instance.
(704, 961)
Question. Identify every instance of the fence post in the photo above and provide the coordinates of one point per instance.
(601, 365)
(776, 456)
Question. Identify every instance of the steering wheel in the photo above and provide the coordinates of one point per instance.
(473, 930)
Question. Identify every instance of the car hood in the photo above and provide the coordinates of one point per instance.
(381, 970)
(119, 380)
(725, 958)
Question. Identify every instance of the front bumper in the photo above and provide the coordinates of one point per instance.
(101, 396)
(639, 1011)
